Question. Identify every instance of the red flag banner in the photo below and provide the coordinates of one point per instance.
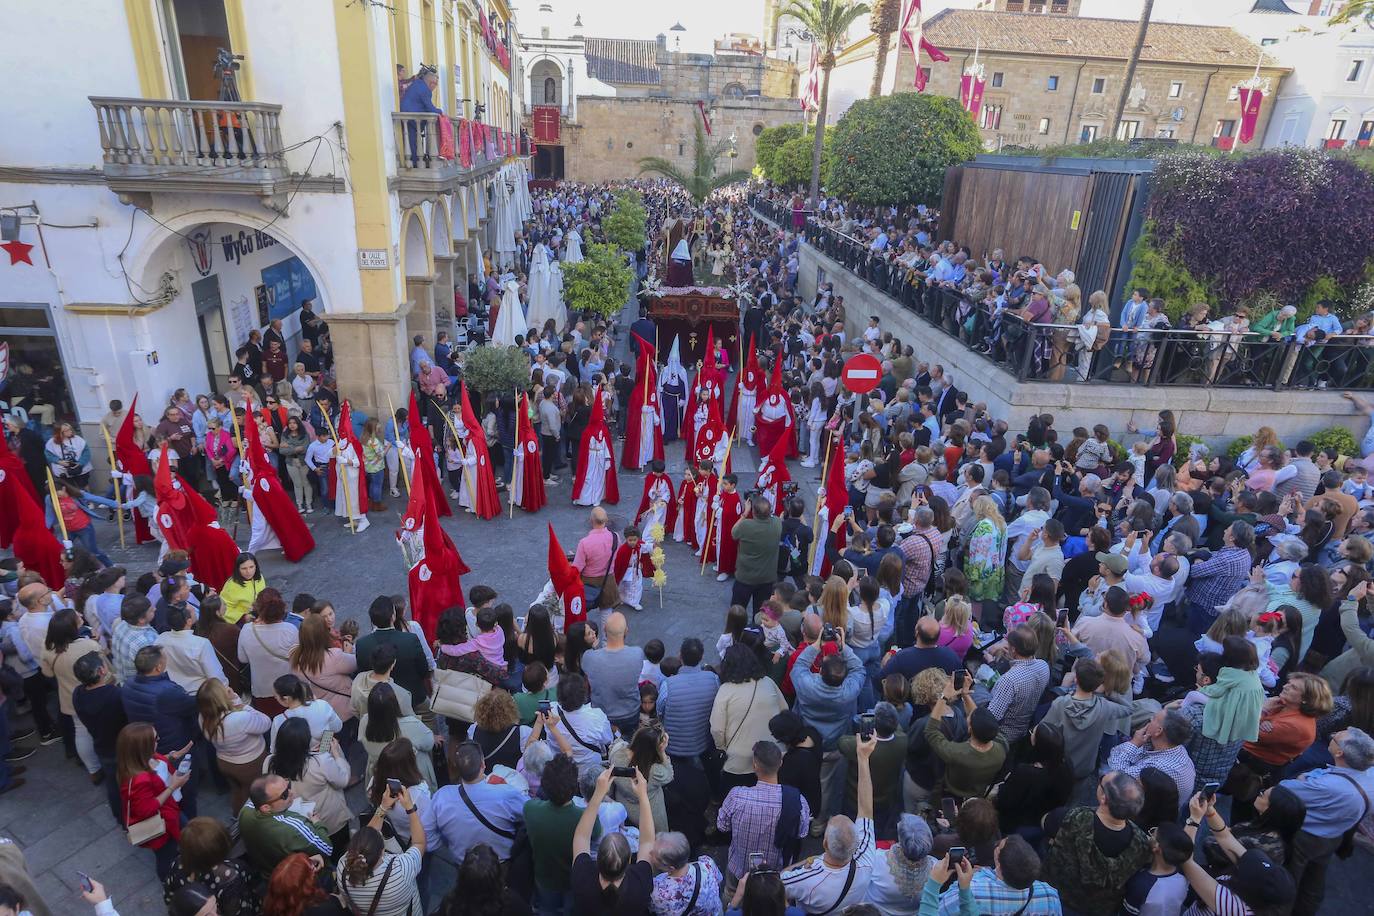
(971, 92)
(1250, 100)
(705, 121)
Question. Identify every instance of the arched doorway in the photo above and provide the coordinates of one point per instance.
(230, 279)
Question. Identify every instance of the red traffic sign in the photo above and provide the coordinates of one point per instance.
(862, 373)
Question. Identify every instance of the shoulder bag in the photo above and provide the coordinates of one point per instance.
(717, 756)
(848, 883)
(1347, 847)
(377, 897)
(696, 890)
(482, 819)
(609, 596)
(146, 830)
(604, 752)
(504, 741)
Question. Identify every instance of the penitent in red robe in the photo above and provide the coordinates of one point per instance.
(726, 547)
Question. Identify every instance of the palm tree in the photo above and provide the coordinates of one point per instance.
(828, 21)
(703, 179)
(1355, 11)
(883, 23)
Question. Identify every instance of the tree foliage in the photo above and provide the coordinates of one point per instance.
(1111, 149)
(600, 283)
(792, 162)
(489, 370)
(703, 179)
(625, 224)
(896, 149)
(829, 22)
(770, 141)
(1207, 211)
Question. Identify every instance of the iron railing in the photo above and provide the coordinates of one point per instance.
(1041, 352)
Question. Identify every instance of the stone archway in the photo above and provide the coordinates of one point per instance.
(418, 263)
(445, 270)
(229, 274)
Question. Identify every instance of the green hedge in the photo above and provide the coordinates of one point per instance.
(792, 161)
(895, 149)
(768, 144)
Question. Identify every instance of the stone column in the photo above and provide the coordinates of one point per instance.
(371, 356)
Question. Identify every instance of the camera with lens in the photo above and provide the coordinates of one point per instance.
(828, 633)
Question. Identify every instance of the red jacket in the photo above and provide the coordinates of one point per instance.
(139, 798)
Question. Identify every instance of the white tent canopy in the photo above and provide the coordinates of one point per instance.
(510, 320)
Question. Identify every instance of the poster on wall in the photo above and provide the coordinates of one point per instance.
(287, 283)
(241, 320)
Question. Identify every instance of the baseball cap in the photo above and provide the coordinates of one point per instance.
(1114, 562)
(1256, 877)
(173, 567)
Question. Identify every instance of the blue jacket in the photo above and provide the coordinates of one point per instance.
(830, 710)
(418, 97)
(684, 705)
(160, 701)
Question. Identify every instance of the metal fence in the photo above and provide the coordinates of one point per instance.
(1037, 352)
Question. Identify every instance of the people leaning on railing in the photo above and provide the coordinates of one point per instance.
(1036, 325)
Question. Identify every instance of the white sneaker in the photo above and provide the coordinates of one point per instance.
(363, 525)
(809, 464)
(452, 494)
(722, 577)
(395, 492)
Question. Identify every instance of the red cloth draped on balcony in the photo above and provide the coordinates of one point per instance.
(445, 138)
(465, 143)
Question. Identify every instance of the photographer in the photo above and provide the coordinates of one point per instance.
(758, 534)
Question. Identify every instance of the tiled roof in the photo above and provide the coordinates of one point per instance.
(623, 60)
(1075, 36)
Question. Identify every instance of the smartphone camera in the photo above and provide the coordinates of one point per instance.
(626, 772)
(865, 727)
(185, 766)
(545, 706)
(1209, 790)
(394, 787)
(86, 884)
(828, 633)
(755, 861)
(957, 854)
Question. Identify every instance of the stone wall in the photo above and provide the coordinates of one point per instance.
(1218, 415)
(1025, 100)
(613, 134)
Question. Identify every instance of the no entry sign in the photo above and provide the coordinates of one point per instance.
(862, 373)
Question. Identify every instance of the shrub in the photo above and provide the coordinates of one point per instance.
(1110, 149)
(1337, 437)
(624, 225)
(896, 148)
(488, 370)
(1164, 276)
(768, 144)
(600, 283)
(1205, 209)
(792, 161)
(1183, 442)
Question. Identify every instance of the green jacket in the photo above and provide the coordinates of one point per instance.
(269, 838)
(968, 772)
(1089, 881)
(1266, 324)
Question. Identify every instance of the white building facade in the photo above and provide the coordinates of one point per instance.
(151, 221)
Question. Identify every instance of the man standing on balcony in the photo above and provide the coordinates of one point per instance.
(419, 97)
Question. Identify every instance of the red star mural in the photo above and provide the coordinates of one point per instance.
(18, 252)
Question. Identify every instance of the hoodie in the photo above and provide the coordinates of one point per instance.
(1083, 723)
